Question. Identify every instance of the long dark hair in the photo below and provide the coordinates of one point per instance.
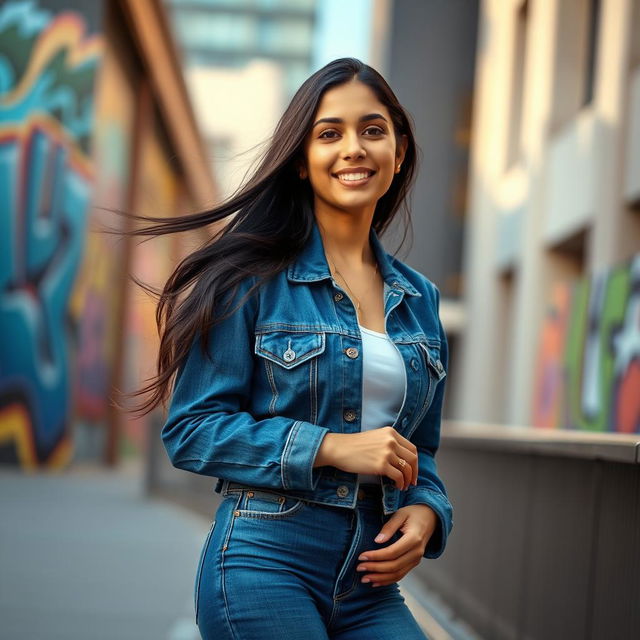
(272, 223)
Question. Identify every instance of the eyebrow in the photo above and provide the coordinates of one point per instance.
(369, 116)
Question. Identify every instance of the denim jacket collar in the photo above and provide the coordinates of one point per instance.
(311, 264)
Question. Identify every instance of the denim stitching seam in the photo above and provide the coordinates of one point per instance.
(285, 454)
(224, 586)
(272, 383)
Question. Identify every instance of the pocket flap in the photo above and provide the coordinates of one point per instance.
(433, 360)
(289, 349)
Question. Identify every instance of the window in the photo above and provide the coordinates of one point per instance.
(576, 58)
(517, 84)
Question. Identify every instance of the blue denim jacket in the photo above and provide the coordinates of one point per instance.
(282, 374)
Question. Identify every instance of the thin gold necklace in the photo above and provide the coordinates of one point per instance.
(335, 269)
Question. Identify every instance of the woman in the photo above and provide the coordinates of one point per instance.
(310, 377)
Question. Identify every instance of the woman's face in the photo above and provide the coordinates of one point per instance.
(352, 135)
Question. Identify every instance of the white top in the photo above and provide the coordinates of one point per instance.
(383, 384)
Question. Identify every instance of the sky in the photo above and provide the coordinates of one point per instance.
(343, 30)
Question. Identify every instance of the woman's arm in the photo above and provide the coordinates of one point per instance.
(208, 431)
(430, 489)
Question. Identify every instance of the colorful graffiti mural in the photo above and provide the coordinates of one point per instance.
(588, 373)
(96, 303)
(48, 64)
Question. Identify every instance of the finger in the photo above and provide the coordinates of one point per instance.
(394, 461)
(412, 459)
(384, 583)
(407, 468)
(395, 474)
(405, 562)
(407, 444)
(379, 579)
(393, 551)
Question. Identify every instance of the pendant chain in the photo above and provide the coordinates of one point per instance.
(349, 288)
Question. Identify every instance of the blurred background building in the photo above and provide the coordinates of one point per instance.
(95, 117)
(526, 214)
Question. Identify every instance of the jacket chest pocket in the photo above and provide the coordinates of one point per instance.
(291, 367)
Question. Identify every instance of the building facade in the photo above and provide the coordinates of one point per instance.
(551, 263)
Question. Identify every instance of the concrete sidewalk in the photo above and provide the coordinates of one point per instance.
(86, 555)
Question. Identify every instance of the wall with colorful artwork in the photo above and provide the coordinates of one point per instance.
(83, 134)
(588, 374)
(48, 64)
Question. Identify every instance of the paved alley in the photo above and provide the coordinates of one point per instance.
(85, 555)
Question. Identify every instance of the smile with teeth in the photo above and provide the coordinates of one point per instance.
(356, 177)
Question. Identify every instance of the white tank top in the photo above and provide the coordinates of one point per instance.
(383, 384)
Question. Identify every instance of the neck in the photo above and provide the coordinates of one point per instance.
(345, 239)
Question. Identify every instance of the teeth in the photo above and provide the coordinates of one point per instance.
(353, 176)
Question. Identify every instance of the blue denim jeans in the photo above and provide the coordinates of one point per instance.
(279, 567)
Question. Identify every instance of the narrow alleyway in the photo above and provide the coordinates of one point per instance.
(86, 555)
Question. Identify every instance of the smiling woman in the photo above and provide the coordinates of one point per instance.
(316, 398)
(353, 150)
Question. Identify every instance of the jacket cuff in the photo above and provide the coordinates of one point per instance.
(299, 454)
(442, 507)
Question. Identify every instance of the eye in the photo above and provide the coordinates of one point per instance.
(376, 132)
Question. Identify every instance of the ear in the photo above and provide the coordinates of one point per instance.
(401, 150)
(301, 170)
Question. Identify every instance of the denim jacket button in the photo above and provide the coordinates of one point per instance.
(414, 364)
(352, 352)
(338, 297)
(342, 491)
(289, 355)
(349, 415)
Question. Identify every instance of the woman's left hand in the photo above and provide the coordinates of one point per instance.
(386, 566)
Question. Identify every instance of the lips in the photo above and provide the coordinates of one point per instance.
(354, 177)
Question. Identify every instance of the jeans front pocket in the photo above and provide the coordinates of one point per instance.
(259, 503)
(203, 553)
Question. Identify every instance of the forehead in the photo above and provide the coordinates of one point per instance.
(350, 100)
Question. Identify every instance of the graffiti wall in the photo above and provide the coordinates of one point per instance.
(48, 63)
(96, 303)
(589, 368)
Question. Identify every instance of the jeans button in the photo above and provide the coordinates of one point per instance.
(352, 352)
(338, 297)
(342, 491)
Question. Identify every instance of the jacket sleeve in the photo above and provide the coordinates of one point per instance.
(208, 429)
(430, 489)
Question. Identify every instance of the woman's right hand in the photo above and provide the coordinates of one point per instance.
(375, 451)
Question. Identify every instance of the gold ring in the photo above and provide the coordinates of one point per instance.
(402, 462)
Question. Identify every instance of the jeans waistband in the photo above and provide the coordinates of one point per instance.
(367, 492)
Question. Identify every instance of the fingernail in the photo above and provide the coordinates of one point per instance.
(365, 580)
(363, 558)
(380, 537)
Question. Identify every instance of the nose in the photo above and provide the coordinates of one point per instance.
(352, 146)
